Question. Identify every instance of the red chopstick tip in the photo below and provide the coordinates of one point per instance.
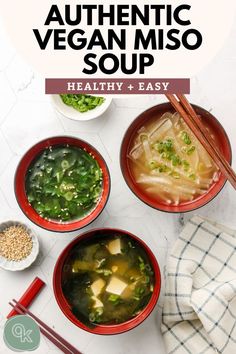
(30, 294)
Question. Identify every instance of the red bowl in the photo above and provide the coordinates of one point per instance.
(222, 141)
(20, 191)
(105, 329)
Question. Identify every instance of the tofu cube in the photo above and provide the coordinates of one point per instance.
(97, 302)
(97, 286)
(114, 246)
(116, 286)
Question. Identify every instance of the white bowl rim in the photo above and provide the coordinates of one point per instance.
(73, 114)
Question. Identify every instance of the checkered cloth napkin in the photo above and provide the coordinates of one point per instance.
(199, 313)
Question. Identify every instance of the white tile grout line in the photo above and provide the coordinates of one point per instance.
(107, 151)
(27, 84)
(6, 141)
(10, 85)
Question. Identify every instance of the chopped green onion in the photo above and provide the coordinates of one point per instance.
(82, 102)
(105, 272)
(191, 150)
(113, 298)
(163, 168)
(175, 175)
(186, 165)
(192, 176)
(152, 165)
(65, 164)
(185, 137)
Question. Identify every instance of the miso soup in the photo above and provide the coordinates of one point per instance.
(169, 163)
(64, 183)
(107, 280)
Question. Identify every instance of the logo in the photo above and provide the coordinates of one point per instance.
(21, 333)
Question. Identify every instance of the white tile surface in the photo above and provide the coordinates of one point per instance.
(6, 49)
(19, 74)
(8, 97)
(7, 182)
(29, 122)
(27, 116)
(7, 153)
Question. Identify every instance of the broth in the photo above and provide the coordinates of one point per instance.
(169, 163)
(107, 280)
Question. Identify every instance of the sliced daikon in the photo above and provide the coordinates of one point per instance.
(157, 131)
(154, 180)
(137, 151)
(202, 152)
(147, 149)
(160, 130)
(156, 157)
(194, 159)
(158, 192)
(176, 120)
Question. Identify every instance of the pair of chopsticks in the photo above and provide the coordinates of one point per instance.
(187, 112)
(55, 338)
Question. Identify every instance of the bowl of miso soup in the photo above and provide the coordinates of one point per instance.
(107, 281)
(62, 184)
(165, 165)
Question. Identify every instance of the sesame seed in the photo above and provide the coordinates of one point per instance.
(15, 243)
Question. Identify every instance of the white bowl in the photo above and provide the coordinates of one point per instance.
(26, 262)
(72, 113)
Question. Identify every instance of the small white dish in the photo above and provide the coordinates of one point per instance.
(26, 262)
(72, 113)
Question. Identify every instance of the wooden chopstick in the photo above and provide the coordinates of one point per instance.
(183, 107)
(203, 136)
(47, 328)
(189, 108)
(231, 176)
(54, 337)
(185, 103)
